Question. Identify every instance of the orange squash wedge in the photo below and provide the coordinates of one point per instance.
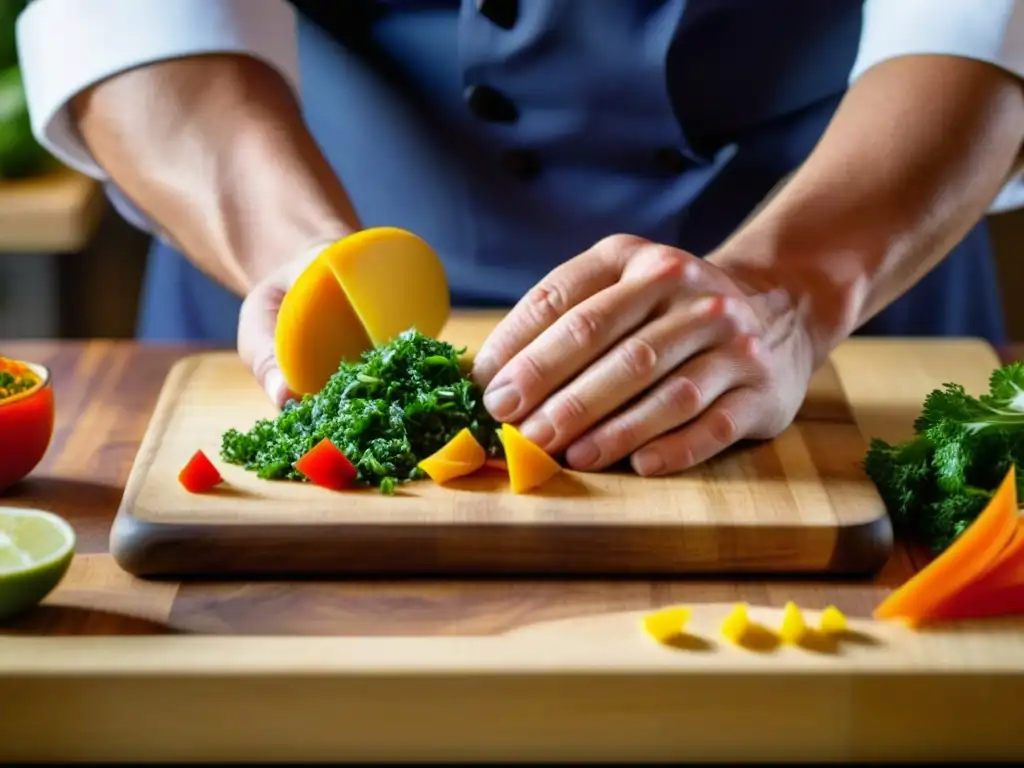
(529, 465)
(360, 292)
(460, 456)
(986, 557)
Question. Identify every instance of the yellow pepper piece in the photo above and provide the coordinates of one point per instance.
(833, 620)
(736, 623)
(462, 455)
(529, 465)
(793, 625)
(667, 623)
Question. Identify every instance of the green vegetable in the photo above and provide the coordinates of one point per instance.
(935, 484)
(21, 155)
(9, 11)
(398, 404)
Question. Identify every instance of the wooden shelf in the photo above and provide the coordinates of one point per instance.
(54, 213)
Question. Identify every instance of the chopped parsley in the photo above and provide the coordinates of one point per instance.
(938, 482)
(398, 404)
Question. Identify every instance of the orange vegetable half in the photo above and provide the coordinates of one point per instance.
(462, 455)
(529, 465)
(965, 564)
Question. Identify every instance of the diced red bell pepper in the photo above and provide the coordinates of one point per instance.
(325, 465)
(199, 474)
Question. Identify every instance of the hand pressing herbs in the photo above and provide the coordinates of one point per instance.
(399, 404)
(935, 484)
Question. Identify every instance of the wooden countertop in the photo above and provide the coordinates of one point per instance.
(105, 393)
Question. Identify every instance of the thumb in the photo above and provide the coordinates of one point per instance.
(257, 322)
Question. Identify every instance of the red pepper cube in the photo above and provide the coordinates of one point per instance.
(325, 465)
(199, 474)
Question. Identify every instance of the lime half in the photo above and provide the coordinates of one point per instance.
(36, 548)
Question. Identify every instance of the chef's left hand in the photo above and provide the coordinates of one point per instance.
(634, 349)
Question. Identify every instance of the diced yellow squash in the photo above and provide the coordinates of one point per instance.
(460, 456)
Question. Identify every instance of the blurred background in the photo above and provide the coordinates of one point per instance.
(71, 267)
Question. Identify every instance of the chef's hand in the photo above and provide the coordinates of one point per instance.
(634, 349)
(257, 322)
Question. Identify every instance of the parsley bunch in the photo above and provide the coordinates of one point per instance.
(935, 484)
(401, 402)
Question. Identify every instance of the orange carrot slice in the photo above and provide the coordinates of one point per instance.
(462, 455)
(529, 465)
(997, 592)
(967, 558)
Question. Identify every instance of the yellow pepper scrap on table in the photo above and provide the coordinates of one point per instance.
(793, 626)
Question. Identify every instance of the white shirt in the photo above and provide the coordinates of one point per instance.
(66, 46)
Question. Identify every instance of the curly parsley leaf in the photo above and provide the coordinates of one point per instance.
(938, 482)
(398, 404)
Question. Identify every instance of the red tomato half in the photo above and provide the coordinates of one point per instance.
(26, 428)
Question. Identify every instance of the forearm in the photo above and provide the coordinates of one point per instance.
(914, 155)
(214, 150)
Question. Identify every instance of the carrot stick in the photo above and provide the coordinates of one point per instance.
(967, 558)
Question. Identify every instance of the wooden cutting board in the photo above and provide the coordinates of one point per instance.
(800, 503)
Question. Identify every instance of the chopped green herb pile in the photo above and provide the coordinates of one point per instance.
(939, 481)
(397, 405)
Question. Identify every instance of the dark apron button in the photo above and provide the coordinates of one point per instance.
(491, 105)
(671, 160)
(521, 163)
(502, 12)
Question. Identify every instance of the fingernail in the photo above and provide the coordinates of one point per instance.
(538, 431)
(583, 454)
(647, 463)
(502, 402)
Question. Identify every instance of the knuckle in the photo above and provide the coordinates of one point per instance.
(620, 439)
(748, 346)
(681, 456)
(669, 267)
(620, 241)
(722, 426)
(682, 395)
(567, 412)
(753, 355)
(639, 358)
(583, 327)
(528, 374)
(547, 302)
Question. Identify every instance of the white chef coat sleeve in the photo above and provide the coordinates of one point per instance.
(66, 46)
(985, 30)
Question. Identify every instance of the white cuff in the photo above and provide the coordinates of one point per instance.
(66, 46)
(985, 30)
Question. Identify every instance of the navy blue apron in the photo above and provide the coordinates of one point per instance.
(513, 135)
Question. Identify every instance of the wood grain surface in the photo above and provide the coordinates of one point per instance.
(799, 503)
(459, 668)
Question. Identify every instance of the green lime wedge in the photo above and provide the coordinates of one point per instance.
(36, 548)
